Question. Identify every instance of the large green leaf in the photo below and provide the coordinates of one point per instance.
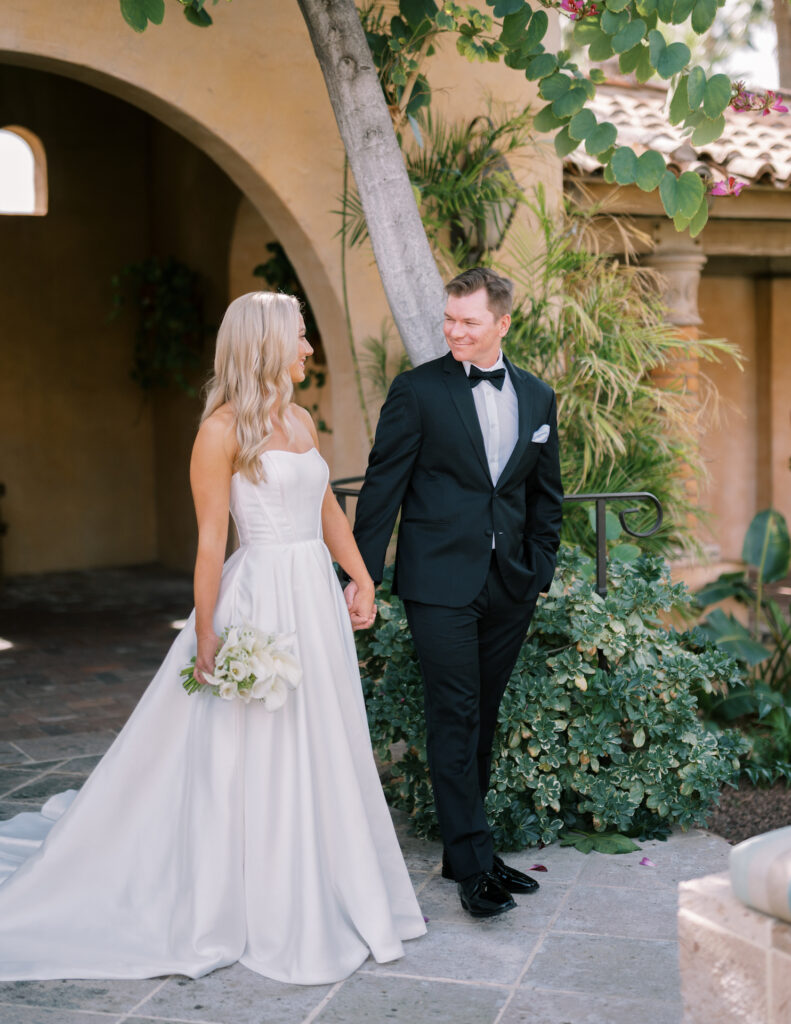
(703, 14)
(699, 218)
(666, 60)
(645, 7)
(415, 11)
(611, 22)
(554, 85)
(570, 102)
(138, 13)
(601, 139)
(726, 586)
(583, 124)
(665, 9)
(502, 8)
(681, 196)
(612, 525)
(628, 61)
(733, 638)
(707, 130)
(629, 36)
(682, 10)
(536, 31)
(514, 26)
(696, 87)
(679, 105)
(617, 5)
(541, 66)
(600, 47)
(624, 165)
(546, 120)
(564, 144)
(717, 95)
(650, 170)
(767, 547)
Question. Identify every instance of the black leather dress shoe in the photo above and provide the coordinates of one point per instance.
(482, 896)
(511, 879)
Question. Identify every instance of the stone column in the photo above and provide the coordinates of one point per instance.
(680, 260)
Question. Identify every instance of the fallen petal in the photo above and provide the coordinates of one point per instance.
(537, 867)
(646, 862)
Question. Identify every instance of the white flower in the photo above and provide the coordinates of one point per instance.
(276, 695)
(228, 690)
(259, 688)
(237, 670)
(287, 668)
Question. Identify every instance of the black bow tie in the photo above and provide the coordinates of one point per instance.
(496, 377)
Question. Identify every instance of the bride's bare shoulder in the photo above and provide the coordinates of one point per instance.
(218, 431)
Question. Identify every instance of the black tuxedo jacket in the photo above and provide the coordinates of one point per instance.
(428, 459)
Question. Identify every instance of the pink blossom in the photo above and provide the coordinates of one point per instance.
(741, 100)
(773, 101)
(646, 862)
(578, 8)
(728, 187)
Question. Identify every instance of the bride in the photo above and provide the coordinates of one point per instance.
(214, 831)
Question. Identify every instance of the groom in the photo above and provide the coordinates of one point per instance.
(467, 449)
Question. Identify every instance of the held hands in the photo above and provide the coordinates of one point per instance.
(361, 605)
(208, 645)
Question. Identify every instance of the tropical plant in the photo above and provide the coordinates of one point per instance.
(595, 328)
(580, 747)
(382, 361)
(166, 298)
(762, 708)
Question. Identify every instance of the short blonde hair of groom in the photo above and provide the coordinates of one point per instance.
(499, 290)
(257, 343)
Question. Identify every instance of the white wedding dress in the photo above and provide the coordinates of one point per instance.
(214, 831)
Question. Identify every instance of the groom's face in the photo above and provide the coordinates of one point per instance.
(472, 331)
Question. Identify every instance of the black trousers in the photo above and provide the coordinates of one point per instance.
(466, 658)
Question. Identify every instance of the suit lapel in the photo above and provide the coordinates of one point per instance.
(461, 393)
(522, 387)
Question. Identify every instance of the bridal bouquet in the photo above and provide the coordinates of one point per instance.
(250, 665)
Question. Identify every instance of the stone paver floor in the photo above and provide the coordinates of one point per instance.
(595, 945)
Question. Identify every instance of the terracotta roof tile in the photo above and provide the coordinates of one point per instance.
(752, 148)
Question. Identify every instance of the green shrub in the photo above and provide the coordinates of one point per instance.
(578, 745)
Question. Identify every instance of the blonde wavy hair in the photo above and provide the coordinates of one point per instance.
(257, 343)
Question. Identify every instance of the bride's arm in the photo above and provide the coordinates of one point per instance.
(340, 540)
(210, 477)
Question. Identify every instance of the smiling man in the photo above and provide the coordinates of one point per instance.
(467, 448)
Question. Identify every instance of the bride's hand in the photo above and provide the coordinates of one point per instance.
(208, 645)
(361, 604)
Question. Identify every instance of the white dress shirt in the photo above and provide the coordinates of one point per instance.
(498, 415)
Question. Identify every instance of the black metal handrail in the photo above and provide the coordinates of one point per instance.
(349, 487)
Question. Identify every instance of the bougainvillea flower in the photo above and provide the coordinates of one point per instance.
(537, 867)
(646, 862)
(728, 187)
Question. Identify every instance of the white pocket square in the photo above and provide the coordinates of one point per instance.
(541, 434)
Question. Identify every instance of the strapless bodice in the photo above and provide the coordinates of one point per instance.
(285, 508)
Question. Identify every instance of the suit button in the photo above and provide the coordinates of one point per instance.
(488, 533)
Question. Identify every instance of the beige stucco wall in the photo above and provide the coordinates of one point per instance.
(248, 94)
(76, 441)
(749, 451)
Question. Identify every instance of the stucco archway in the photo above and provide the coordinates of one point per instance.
(257, 106)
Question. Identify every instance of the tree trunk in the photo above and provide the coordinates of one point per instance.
(782, 10)
(411, 280)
